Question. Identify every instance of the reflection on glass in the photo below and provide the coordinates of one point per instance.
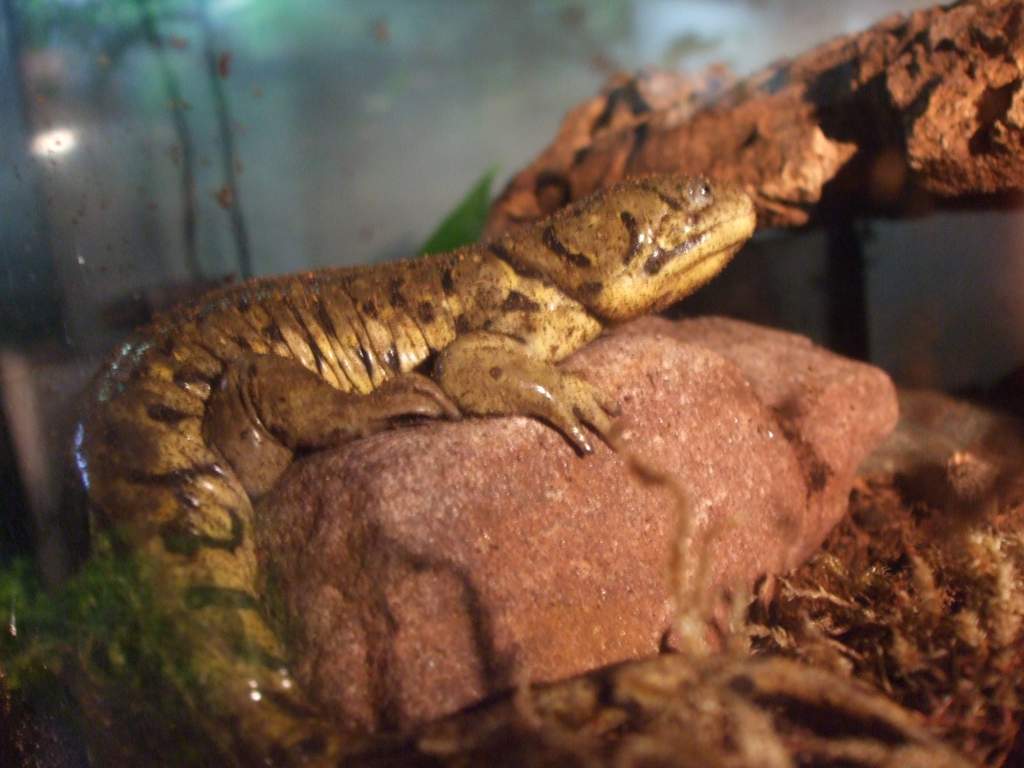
(56, 141)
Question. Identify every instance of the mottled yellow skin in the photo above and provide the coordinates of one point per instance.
(203, 410)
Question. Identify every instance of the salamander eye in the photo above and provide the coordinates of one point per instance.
(700, 192)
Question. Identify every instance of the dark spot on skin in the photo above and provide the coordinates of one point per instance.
(629, 222)
(279, 433)
(136, 372)
(187, 377)
(657, 260)
(296, 709)
(318, 356)
(187, 499)
(204, 595)
(364, 358)
(496, 372)
(590, 289)
(391, 359)
(395, 293)
(551, 240)
(428, 363)
(447, 283)
(580, 156)
(426, 312)
(166, 347)
(552, 190)
(326, 324)
(181, 537)
(699, 196)
(500, 251)
(672, 202)
(606, 691)
(523, 271)
(165, 414)
(742, 685)
(369, 309)
(518, 302)
(461, 324)
(272, 332)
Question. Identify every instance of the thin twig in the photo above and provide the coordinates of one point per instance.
(181, 128)
(222, 113)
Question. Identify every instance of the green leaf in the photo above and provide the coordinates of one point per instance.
(465, 223)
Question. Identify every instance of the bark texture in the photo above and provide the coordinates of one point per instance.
(923, 105)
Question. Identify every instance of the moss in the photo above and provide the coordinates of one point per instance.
(104, 637)
(922, 599)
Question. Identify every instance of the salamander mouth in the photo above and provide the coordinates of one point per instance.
(657, 260)
(730, 233)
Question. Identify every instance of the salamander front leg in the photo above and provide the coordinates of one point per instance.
(267, 407)
(493, 374)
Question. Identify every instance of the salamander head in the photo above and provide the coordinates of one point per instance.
(642, 245)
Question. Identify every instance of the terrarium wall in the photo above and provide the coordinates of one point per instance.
(154, 148)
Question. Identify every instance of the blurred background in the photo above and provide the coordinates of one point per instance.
(152, 148)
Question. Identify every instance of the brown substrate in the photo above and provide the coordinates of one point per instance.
(919, 592)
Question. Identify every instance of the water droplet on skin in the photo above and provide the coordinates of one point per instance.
(286, 679)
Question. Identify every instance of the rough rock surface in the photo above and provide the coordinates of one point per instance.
(426, 568)
(929, 101)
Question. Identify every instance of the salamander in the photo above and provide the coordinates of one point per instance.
(198, 414)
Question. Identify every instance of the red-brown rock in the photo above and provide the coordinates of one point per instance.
(429, 567)
(932, 100)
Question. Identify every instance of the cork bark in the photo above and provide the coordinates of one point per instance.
(916, 110)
